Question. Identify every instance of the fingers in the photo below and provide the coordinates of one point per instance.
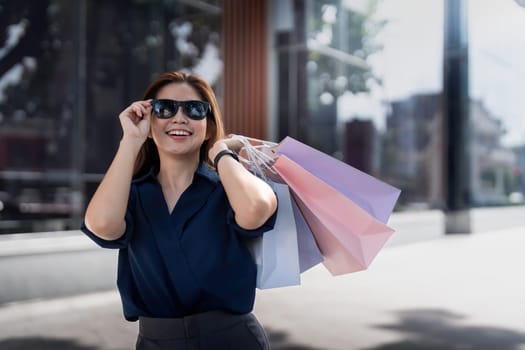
(136, 111)
(232, 143)
(147, 115)
(141, 108)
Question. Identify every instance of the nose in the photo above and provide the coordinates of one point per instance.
(179, 116)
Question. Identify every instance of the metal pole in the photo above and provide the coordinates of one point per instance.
(78, 140)
(456, 118)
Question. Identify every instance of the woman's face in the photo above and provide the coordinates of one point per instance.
(178, 135)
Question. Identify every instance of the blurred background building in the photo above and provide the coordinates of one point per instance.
(425, 95)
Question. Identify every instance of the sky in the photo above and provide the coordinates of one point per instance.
(411, 61)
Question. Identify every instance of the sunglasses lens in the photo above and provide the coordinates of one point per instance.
(195, 109)
(165, 109)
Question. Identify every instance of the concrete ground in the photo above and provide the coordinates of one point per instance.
(452, 292)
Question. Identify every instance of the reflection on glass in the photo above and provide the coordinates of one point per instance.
(373, 90)
(45, 75)
(497, 80)
(364, 83)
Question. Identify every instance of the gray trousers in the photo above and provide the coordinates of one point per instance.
(215, 330)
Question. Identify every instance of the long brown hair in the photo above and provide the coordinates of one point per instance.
(148, 155)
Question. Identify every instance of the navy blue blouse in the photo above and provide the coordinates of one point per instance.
(189, 261)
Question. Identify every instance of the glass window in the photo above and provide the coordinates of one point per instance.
(363, 82)
(67, 69)
(37, 104)
(497, 82)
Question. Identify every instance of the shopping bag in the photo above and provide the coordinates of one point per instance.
(345, 209)
(348, 237)
(276, 252)
(371, 194)
(309, 253)
(257, 155)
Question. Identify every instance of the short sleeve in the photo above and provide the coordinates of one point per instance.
(123, 241)
(267, 226)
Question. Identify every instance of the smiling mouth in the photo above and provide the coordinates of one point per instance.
(178, 133)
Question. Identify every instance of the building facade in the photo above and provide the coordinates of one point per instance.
(361, 80)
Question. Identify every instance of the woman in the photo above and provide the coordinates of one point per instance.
(179, 206)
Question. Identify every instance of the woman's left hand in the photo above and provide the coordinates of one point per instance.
(253, 200)
(223, 144)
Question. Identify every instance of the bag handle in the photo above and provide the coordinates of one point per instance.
(258, 156)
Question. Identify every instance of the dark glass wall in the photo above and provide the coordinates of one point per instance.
(67, 68)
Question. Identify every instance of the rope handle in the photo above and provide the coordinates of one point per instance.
(258, 156)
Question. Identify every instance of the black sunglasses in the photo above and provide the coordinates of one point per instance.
(196, 110)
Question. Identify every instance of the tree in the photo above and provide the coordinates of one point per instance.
(352, 34)
(28, 41)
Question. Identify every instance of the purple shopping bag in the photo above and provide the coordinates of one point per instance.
(309, 253)
(371, 194)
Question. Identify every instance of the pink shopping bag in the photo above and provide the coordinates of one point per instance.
(348, 236)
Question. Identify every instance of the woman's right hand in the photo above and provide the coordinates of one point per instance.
(135, 120)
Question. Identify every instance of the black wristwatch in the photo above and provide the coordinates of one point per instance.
(225, 152)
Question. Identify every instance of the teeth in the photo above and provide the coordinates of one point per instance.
(179, 133)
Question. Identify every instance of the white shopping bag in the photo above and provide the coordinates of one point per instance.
(276, 252)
